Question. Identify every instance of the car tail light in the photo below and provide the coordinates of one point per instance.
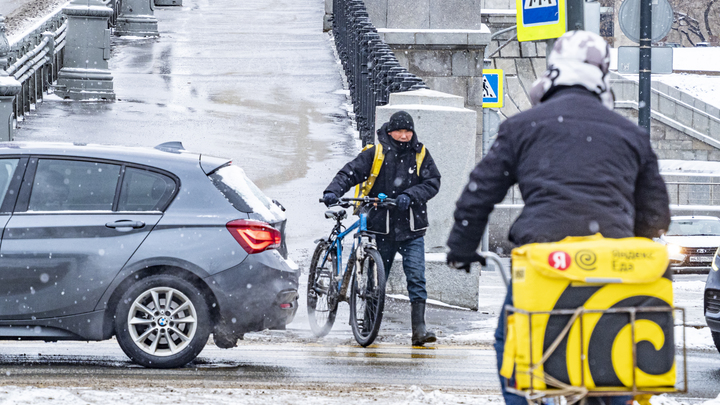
(254, 236)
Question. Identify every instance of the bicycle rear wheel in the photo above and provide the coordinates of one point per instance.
(320, 306)
(367, 298)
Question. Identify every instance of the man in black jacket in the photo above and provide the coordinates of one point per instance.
(581, 168)
(401, 229)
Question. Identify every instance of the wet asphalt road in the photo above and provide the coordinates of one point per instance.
(257, 365)
(261, 365)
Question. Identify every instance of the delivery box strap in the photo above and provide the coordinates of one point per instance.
(550, 350)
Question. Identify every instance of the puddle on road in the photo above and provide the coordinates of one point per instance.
(288, 128)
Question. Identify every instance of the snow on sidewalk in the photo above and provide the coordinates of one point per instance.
(12, 395)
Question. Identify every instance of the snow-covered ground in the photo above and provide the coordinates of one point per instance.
(706, 87)
(11, 395)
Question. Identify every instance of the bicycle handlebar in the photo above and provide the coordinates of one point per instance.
(370, 200)
(490, 256)
(345, 202)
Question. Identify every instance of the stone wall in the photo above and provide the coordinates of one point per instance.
(425, 14)
(441, 41)
(671, 143)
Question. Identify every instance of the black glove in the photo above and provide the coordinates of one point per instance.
(402, 202)
(463, 262)
(330, 199)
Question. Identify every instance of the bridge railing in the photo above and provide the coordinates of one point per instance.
(35, 58)
(673, 108)
(371, 68)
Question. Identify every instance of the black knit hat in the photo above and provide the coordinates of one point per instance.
(401, 120)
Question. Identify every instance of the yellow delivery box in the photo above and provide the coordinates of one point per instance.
(591, 312)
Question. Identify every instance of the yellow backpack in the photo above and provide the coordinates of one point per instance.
(596, 274)
(363, 189)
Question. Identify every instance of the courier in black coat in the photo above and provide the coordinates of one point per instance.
(400, 229)
(581, 168)
(398, 175)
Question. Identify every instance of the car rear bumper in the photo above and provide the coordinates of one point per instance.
(713, 321)
(711, 301)
(260, 293)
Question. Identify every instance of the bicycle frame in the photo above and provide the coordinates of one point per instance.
(336, 246)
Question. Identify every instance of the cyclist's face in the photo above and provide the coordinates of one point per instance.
(401, 135)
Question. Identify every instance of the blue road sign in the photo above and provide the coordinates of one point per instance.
(493, 94)
(540, 12)
(540, 19)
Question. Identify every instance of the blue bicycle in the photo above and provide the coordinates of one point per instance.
(363, 276)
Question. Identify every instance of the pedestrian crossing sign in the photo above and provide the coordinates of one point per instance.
(493, 94)
(540, 19)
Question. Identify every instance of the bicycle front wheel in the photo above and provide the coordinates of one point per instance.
(321, 310)
(367, 298)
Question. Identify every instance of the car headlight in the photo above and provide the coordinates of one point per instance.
(674, 250)
(676, 253)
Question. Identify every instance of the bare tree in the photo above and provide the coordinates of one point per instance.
(686, 25)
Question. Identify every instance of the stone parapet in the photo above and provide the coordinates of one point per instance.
(443, 283)
(435, 38)
(425, 14)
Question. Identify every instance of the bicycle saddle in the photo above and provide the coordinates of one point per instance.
(336, 214)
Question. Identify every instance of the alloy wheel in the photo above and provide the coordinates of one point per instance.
(162, 321)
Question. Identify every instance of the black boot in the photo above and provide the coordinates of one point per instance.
(420, 335)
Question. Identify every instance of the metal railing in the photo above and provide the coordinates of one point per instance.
(693, 193)
(680, 193)
(36, 59)
(115, 5)
(371, 68)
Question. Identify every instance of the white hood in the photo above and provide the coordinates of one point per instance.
(693, 241)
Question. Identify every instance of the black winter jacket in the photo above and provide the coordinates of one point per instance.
(398, 175)
(581, 169)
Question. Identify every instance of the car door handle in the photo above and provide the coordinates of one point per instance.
(125, 224)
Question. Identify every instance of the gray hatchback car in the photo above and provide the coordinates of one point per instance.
(158, 247)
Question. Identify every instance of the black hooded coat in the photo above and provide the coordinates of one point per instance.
(581, 169)
(398, 175)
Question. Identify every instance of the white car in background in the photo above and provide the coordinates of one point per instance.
(692, 242)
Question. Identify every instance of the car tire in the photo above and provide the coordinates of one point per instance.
(716, 339)
(151, 333)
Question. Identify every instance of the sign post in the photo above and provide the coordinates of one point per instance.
(493, 97)
(645, 22)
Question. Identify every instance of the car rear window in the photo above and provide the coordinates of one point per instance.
(144, 190)
(244, 195)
